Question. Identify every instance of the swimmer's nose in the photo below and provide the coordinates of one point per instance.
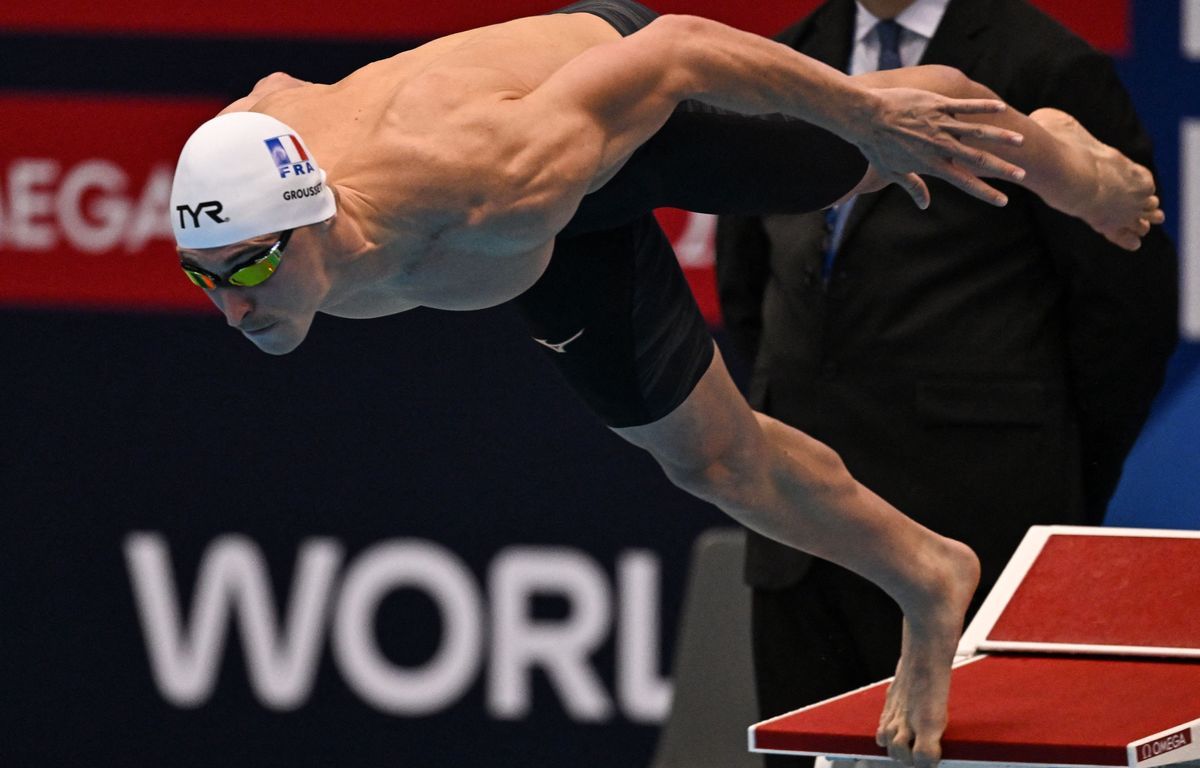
(234, 305)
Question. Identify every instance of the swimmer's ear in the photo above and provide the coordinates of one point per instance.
(337, 203)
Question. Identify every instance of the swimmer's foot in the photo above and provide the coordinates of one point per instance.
(914, 714)
(1115, 195)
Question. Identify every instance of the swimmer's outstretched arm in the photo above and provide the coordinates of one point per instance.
(920, 120)
(629, 87)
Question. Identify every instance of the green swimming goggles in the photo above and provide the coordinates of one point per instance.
(245, 275)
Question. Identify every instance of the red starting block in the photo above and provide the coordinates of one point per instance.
(1086, 653)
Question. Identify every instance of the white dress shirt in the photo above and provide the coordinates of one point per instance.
(920, 20)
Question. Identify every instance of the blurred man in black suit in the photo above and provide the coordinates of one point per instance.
(984, 369)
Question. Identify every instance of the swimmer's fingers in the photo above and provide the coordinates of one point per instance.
(980, 161)
(916, 188)
(913, 185)
(982, 132)
(973, 106)
(970, 183)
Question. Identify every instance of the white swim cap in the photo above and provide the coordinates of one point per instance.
(245, 174)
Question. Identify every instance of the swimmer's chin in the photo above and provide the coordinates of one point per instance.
(275, 340)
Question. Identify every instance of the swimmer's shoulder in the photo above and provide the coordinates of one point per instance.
(369, 305)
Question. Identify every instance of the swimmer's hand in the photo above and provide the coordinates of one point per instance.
(912, 132)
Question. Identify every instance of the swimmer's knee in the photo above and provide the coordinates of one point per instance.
(719, 471)
(721, 481)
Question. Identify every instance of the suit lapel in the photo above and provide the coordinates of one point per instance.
(826, 35)
(960, 38)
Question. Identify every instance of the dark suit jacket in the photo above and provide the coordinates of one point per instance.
(982, 369)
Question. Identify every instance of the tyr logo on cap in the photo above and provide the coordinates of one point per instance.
(212, 207)
(289, 155)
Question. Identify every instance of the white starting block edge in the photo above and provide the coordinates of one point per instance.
(1176, 746)
(975, 639)
(842, 759)
(1180, 744)
(875, 761)
(883, 762)
(1161, 749)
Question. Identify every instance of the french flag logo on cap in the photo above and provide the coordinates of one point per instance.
(289, 156)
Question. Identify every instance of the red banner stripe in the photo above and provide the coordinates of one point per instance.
(1105, 23)
(84, 192)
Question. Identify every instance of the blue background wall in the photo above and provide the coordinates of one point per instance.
(1161, 484)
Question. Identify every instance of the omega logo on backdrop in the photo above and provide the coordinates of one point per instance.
(90, 205)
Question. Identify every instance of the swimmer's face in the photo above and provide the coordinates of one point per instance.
(276, 314)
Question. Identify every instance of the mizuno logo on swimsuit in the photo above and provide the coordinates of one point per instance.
(296, 194)
(560, 347)
(212, 207)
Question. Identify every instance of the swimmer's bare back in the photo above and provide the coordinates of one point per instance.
(419, 148)
(456, 163)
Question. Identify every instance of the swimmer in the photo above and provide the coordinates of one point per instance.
(521, 162)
